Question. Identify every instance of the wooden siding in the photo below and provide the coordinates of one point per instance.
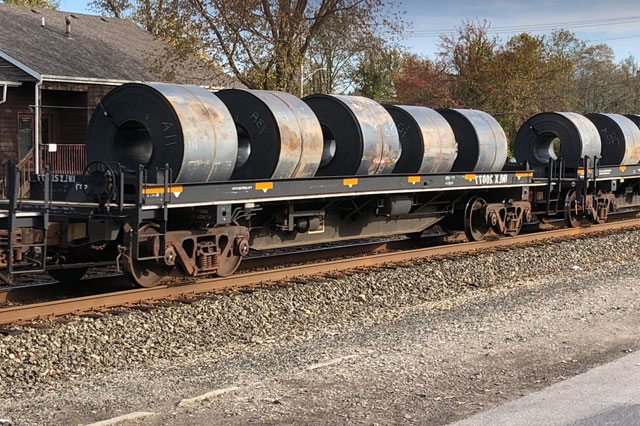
(95, 93)
(68, 111)
(18, 101)
(69, 106)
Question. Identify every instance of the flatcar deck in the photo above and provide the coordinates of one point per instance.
(154, 228)
(194, 194)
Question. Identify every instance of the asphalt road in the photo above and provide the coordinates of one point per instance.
(606, 395)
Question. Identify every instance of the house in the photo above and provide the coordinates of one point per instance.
(56, 66)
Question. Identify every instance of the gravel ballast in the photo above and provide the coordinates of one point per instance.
(405, 333)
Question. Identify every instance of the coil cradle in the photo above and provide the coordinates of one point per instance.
(360, 137)
(278, 135)
(156, 124)
(482, 144)
(536, 141)
(620, 139)
(427, 140)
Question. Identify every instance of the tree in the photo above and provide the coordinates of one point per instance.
(420, 81)
(631, 103)
(375, 73)
(525, 82)
(335, 50)
(469, 55)
(43, 4)
(263, 43)
(113, 8)
(603, 85)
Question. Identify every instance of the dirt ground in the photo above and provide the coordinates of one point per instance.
(418, 369)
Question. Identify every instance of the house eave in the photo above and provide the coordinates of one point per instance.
(20, 65)
(86, 80)
(10, 83)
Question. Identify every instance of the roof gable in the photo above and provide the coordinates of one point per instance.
(9, 73)
(98, 48)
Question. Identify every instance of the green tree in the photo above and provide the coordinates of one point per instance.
(375, 73)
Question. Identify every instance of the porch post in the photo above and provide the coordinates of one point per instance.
(36, 147)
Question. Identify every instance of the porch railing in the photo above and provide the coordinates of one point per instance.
(66, 159)
(26, 166)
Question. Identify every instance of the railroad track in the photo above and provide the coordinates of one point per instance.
(106, 282)
(293, 274)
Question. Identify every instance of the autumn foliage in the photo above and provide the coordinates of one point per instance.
(515, 80)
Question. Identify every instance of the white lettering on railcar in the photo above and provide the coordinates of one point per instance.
(492, 179)
(58, 178)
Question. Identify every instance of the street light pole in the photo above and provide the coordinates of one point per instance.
(301, 79)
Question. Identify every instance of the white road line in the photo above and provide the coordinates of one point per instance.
(123, 418)
(330, 362)
(205, 396)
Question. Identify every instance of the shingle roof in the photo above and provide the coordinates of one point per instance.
(98, 48)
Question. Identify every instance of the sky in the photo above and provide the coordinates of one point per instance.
(583, 17)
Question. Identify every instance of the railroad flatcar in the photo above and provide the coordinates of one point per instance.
(182, 182)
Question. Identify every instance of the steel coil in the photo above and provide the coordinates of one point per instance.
(156, 124)
(482, 143)
(635, 118)
(554, 135)
(310, 133)
(360, 137)
(278, 135)
(427, 140)
(619, 137)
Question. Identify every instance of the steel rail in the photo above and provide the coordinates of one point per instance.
(13, 314)
(271, 259)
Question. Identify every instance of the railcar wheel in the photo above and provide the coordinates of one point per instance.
(475, 225)
(230, 258)
(146, 273)
(571, 208)
(68, 276)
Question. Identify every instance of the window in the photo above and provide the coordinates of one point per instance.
(25, 134)
(45, 125)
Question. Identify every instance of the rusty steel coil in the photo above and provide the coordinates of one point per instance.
(427, 140)
(310, 133)
(620, 139)
(482, 144)
(278, 135)
(156, 124)
(557, 135)
(360, 137)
